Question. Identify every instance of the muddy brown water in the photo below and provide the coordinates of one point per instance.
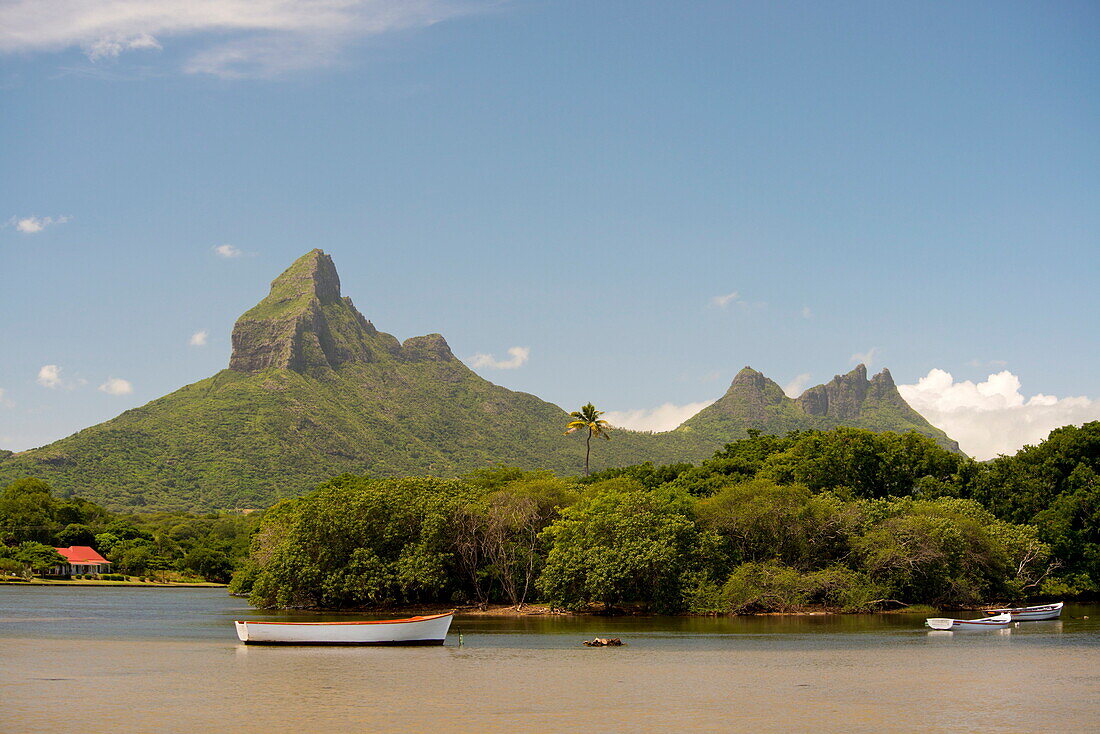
(119, 660)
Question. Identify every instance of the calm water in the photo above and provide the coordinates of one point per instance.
(167, 660)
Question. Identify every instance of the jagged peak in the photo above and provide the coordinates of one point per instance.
(749, 377)
(859, 372)
(304, 324)
(312, 276)
(883, 377)
(430, 348)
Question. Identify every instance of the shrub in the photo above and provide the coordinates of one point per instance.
(765, 587)
(620, 543)
(839, 587)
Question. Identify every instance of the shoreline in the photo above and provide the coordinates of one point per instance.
(131, 584)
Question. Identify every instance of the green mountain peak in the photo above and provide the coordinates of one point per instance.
(314, 390)
(754, 401)
(305, 325)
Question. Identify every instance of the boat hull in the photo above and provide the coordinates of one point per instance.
(965, 625)
(1031, 614)
(428, 630)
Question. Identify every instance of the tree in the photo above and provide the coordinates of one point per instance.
(588, 419)
(213, 564)
(38, 557)
(620, 543)
(27, 512)
(75, 534)
(515, 515)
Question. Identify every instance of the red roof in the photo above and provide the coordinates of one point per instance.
(81, 554)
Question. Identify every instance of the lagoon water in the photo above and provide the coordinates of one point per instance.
(167, 660)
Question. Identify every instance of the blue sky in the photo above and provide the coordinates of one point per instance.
(586, 183)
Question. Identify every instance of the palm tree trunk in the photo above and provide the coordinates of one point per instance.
(587, 450)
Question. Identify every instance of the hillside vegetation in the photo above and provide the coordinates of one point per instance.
(313, 390)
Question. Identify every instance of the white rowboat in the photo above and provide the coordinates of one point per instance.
(941, 623)
(1031, 614)
(426, 630)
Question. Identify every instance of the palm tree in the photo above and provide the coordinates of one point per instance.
(588, 418)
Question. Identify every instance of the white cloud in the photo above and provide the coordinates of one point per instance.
(807, 313)
(236, 38)
(34, 225)
(4, 403)
(519, 358)
(723, 301)
(227, 251)
(116, 386)
(662, 418)
(198, 339)
(797, 386)
(50, 376)
(109, 48)
(993, 417)
(867, 358)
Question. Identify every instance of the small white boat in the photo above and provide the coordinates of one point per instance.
(425, 630)
(942, 623)
(1031, 614)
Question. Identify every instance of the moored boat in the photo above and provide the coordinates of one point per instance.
(942, 623)
(1031, 614)
(423, 630)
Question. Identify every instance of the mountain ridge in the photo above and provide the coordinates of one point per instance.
(314, 389)
(755, 401)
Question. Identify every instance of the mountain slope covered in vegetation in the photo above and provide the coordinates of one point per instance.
(314, 390)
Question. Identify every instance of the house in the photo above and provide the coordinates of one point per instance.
(81, 559)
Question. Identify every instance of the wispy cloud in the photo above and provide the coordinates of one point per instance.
(734, 298)
(109, 48)
(797, 386)
(662, 418)
(235, 38)
(807, 312)
(34, 225)
(198, 339)
(49, 375)
(991, 363)
(116, 386)
(519, 357)
(993, 417)
(727, 299)
(867, 358)
(4, 402)
(227, 251)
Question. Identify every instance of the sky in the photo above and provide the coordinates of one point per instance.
(617, 202)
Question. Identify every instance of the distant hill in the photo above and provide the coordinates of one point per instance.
(313, 389)
(754, 401)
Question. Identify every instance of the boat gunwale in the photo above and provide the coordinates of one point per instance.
(1057, 606)
(409, 620)
(997, 621)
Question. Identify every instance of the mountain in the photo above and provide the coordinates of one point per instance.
(754, 401)
(313, 389)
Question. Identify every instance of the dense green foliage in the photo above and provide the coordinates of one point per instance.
(168, 546)
(845, 519)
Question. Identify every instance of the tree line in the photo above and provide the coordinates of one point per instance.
(169, 546)
(845, 519)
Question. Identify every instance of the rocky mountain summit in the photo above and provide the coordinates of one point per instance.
(754, 401)
(305, 325)
(313, 390)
